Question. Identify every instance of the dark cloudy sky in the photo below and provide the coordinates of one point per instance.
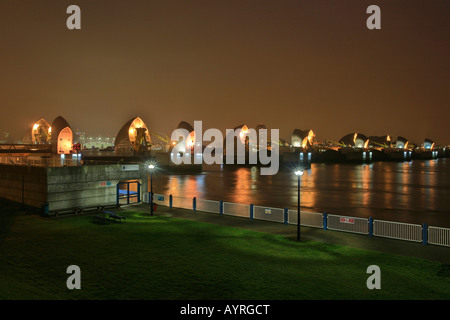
(306, 64)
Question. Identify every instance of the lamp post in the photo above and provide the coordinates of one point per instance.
(298, 173)
(151, 167)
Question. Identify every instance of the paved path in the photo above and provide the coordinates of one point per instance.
(401, 247)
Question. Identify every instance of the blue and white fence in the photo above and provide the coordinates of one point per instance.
(439, 236)
(208, 206)
(349, 224)
(367, 226)
(397, 230)
(237, 209)
(308, 219)
(269, 214)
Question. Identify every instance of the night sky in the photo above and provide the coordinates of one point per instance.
(288, 64)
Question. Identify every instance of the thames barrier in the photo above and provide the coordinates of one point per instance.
(57, 170)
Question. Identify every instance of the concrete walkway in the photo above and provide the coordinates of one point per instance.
(400, 247)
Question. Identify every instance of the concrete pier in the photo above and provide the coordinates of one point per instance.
(64, 188)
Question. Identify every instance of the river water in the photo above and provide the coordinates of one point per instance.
(412, 192)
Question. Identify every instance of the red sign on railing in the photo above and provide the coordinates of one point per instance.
(347, 220)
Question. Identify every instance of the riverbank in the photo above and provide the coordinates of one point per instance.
(180, 255)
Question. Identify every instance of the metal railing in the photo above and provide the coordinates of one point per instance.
(367, 226)
(208, 206)
(268, 214)
(348, 224)
(308, 219)
(398, 230)
(24, 161)
(161, 199)
(439, 236)
(182, 202)
(236, 209)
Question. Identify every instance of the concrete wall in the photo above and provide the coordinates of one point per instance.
(92, 185)
(23, 184)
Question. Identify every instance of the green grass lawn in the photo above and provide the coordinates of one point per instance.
(160, 257)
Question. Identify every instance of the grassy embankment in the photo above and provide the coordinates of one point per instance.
(166, 258)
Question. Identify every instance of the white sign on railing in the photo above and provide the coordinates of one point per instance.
(349, 224)
(269, 214)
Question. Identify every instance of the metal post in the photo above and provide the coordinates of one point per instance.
(128, 193)
(424, 234)
(117, 194)
(194, 203)
(151, 193)
(370, 227)
(138, 192)
(298, 209)
(286, 215)
(251, 212)
(221, 206)
(325, 226)
(170, 201)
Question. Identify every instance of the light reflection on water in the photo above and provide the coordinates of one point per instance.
(414, 192)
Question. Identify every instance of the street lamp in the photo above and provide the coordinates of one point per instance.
(298, 173)
(150, 168)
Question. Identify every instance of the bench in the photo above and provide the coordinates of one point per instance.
(114, 215)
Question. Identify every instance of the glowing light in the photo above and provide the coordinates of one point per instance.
(305, 141)
(244, 131)
(298, 172)
(190, 140)
(310, 136)
(366, 144)
(139, 135)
